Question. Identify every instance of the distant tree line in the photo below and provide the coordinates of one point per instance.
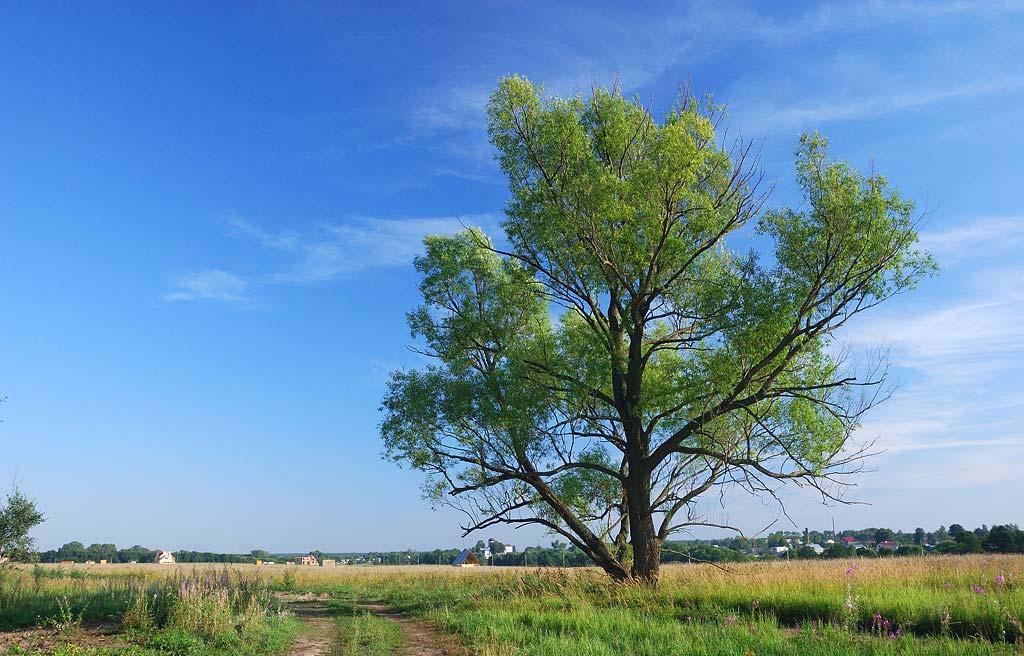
(1006, 538)
(79, 553)
(998, 539)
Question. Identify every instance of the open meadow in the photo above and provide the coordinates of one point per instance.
(932, 605)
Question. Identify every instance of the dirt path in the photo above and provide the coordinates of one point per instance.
(318, 637)
(104, 634)
(420, 639)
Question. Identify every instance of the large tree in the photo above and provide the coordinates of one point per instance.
(617, 362)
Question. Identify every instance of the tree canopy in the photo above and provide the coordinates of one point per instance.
(18, 516)
(619, 359)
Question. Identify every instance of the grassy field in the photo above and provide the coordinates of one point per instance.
(933, 605)
(196, 613)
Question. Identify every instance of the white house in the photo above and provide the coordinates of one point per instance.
(164, 557)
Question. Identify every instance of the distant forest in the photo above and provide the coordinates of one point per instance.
(956, 539)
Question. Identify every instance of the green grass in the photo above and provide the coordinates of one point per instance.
(362, 633)
(559, 614)
(29, 598)
(930, 604)
(365, 634)
(270, 637)
(588, 631)
(208, 613)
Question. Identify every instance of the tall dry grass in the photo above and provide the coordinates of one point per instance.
(195, 610)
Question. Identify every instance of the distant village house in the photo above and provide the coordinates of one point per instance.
(466, 558)
(164, 557)
(309, 561)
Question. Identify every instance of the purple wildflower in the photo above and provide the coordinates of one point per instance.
(1000, 580)
(979, 590)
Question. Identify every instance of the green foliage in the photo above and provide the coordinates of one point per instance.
(838, 550)
(618, 359)
(77, 552)
(683, 552)
(967, 543)
(18, 516)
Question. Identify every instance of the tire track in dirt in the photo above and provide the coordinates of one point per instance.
(320, 635)
(419, 639)
(318, 638)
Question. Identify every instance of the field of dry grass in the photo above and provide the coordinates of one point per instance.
(930, 605)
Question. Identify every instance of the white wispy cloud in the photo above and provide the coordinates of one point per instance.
(978, 330)
(970, 466)
(959, 352)
(210, 284)
(333, 250)
(858, 16)
(965, 240)
(641, 50)
(1015, 441)
(322, 253)
(783, 113)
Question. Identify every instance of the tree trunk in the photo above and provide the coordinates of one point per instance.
(615, 569)
(622, 546)
(642, 536)
(646, 545)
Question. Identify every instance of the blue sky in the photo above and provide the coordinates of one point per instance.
(208, 217)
